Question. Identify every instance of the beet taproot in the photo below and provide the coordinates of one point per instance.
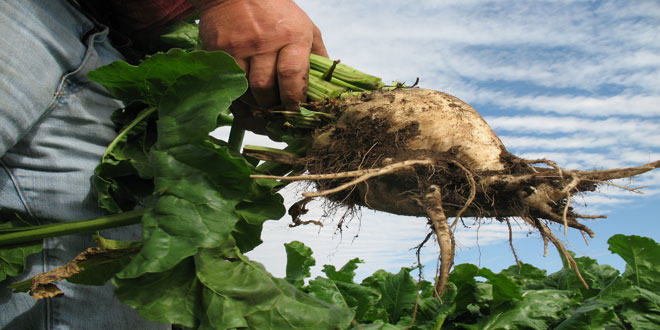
(419, 152)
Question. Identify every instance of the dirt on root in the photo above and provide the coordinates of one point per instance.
(369, 144)
(366, 160)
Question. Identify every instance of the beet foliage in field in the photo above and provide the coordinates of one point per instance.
(519, 297)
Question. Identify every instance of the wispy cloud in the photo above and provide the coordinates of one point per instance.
(572, 124)
(592, 106)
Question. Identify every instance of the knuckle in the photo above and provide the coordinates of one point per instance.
(230, 46)
(288, 35)
(261, 83)
(259, 44)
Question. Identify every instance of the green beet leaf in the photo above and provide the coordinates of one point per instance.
(13, 258)
(197, 185)
(172, 296)
(122, 180)
(463, 278)
(327, 291)
(643, 313)
(597, 277)
(261, 300)
(642, 256)
(598, 312)
(219, 312)
(363, 299)
(526, 276)
(398, 292)
(379, 325)
(432, 313)
(299, 261)
(504, 289)
(537, 309)
(345, 274)
(265, 205)
(154, 77)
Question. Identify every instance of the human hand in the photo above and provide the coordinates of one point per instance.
(270, 39)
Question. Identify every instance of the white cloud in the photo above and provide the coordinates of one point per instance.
(487, 232)
(555, 44)
(570, 124)
(598, 106)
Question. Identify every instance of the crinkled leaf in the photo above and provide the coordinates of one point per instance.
(598, 311)
(327, 291)
(398, 291)
(253, 214)
(13, 258)
(463, 278)
(643, 313)
(196, 185)
(591, 317)
(597, 277)
(504, 288)
(433, 313)
(483, 295)
(299, 261)
(122, 180)
(257, 211)
(172, 296)
(642, 256)
(537, 309)
(116, 182)
(526, 276)
(219, 312)
(263, 301)
(345, 274)
(378, 325)
(364, 300)
(154, 77)
(247, 236)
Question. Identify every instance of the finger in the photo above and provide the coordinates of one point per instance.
(244, 64)
(318, 47)
(292, 74)
(262, 79)
(247, 97)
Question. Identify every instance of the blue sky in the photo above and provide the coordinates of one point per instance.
(577, 82)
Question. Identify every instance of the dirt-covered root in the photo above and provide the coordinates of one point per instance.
(547, 235)
(432, 203)
(425, 153)
(444, 187)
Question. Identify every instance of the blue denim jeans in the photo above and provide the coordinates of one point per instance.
(54, 126)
